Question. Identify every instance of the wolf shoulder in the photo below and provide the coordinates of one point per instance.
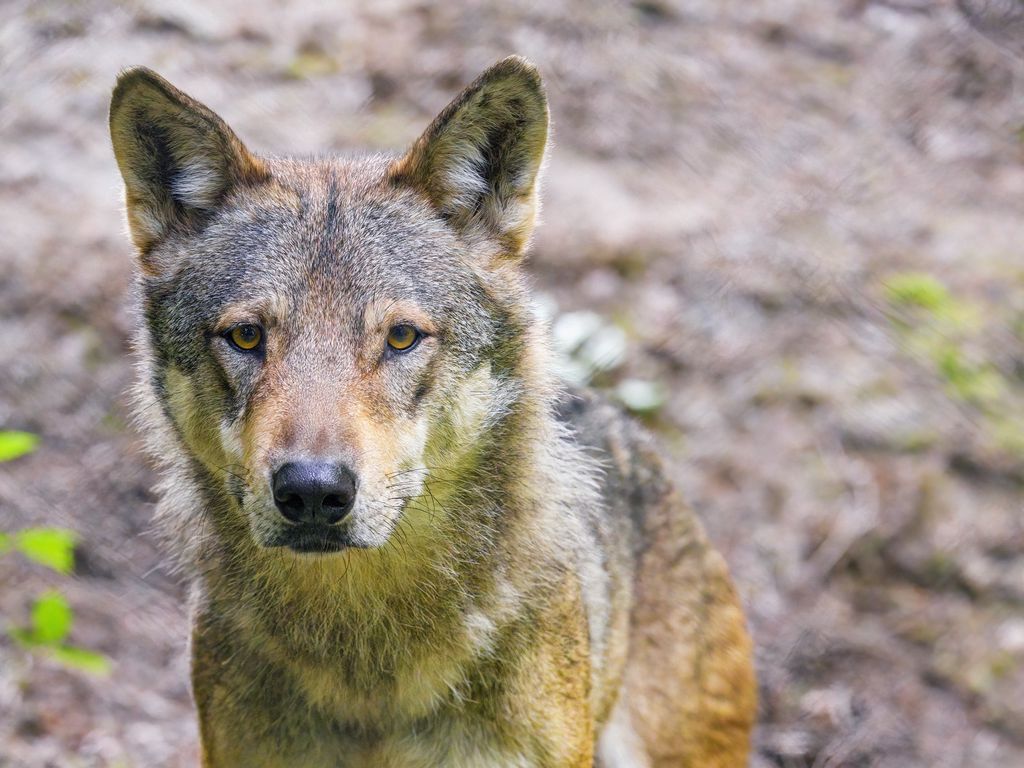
(639, 496)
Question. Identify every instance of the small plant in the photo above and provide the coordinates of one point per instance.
(51, 616)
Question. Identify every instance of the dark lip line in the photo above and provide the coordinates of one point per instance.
(314, 541)
(322, 548)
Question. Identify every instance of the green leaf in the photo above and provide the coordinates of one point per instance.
(52, 547)
(80, 658)
(14, 444)
(51, 619)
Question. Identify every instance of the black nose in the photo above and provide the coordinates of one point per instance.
(314, 492)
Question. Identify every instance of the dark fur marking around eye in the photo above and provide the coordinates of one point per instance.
(421, 391)
(423, 388)
(235, 400)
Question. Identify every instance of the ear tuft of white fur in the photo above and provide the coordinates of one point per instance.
(198, 184)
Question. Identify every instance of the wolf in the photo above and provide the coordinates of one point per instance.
(408, 543)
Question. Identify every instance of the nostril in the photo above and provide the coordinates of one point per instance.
(335, 501)
(289, 499)
(290, 504)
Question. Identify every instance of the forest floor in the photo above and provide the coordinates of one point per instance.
(804, 221)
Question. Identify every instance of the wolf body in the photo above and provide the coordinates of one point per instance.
(408, 543)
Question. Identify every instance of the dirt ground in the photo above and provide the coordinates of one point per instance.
(803, 218)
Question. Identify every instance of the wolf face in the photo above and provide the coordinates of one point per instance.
(333, 340)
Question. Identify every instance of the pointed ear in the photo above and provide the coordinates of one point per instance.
(478, 161)
(178, 159)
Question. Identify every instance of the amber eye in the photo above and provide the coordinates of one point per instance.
(245, 337)
(403, 337)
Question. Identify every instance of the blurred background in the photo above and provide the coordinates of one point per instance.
(787, 235)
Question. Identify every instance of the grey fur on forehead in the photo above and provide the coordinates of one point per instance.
(340, 227)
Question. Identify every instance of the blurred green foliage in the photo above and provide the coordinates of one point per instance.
(939, 327)
(51, 621)
(979, 383)
(917, 289)
(51, 616)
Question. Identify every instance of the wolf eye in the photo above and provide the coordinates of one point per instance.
(402, 338)
(245, 337)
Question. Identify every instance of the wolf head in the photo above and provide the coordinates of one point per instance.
(325, 337)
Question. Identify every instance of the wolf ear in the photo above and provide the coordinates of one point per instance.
(177, 158)
(478, 161)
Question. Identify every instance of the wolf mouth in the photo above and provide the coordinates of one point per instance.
(314, 539)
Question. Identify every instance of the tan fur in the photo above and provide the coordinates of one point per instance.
(521, 584)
